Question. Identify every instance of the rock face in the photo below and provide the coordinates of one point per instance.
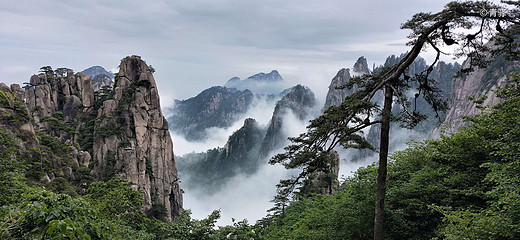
(299, 100)
(101, 81)
(336, 96)
(263, 83)
(247, 148)
(117, 131)
(51, 99)
(100, 77)
(15, 117)
(214, 107)
(325, 180)
(208, 171)
(361, 66)
(245, 144)
(442, 73)
(481, 82)
(273, 76)
(133, 138)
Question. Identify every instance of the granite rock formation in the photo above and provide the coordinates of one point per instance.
(480, 82)
(137, 145)
(325, 180)
(442, 72)
(119, 131)
(300, 101)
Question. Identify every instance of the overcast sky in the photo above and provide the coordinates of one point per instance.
(195, 44)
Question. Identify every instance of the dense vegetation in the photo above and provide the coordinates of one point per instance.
(463, 186)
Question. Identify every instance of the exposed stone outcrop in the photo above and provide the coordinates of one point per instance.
(481, 82)
(133, 138)
(300, 101)
(101, 81)
(361, 66)
(120, 131)
(95, 71)
(15, 117)
(100, 77)
(324, 180)
(442, 73)
(336, 96)
(208, 171)
(245, 142)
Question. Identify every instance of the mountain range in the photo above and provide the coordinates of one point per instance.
(74, 131)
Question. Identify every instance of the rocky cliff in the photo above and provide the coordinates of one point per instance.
(335, 96)
(246, 149)
(361, 66)
(324, 180)
(95, 71)
(136, 143)
(481, 82)
(300, 101)
(442, 73)
(213, 107)
(208, 171)
(118, 131)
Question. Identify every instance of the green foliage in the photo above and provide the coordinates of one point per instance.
(144, 83)
(46, 215)
(348, 214)
(86, 137)
(110, 130)
(19, 115)
(157, 211)
(61, 185)
(463, 186)
(185, 228)
(115, 197)
(57, 124)
(11, 170)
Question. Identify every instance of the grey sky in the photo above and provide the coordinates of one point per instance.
(195, 44)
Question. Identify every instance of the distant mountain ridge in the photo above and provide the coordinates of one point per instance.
(100, 77)
(97, 70)
(248, 147)
(265, 83)
(214, 107)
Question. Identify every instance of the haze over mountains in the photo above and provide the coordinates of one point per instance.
(247, 128)
(229, 132)
(213, 166)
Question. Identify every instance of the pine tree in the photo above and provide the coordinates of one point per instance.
(342, 125)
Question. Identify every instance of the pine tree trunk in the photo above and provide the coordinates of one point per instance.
(383, 159)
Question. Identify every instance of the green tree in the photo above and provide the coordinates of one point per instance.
(462, 186)
(115, 197)
(341, 125)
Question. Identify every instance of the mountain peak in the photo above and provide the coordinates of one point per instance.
(361, 65)
(265, 83)
(268, 77)
(94, 71)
